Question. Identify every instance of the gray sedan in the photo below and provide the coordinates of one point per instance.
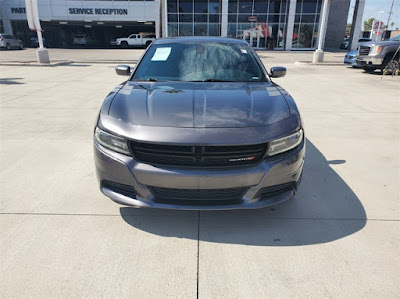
(9, 41)
(199, 124)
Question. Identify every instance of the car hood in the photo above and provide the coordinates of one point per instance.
(381, 43)
(352, 53)
(202, 105)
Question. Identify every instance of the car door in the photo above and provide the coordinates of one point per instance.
(132, 39)
(8, 40)
(14, 42)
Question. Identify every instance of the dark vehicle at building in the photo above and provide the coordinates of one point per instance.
(376, 55)
(345, 44)
(199, 124)
(35, 42)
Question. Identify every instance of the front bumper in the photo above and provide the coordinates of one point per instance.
(132, 183)
(368, 61)
(350, 61)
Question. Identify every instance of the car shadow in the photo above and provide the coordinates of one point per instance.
(11, 81)
(324, 210)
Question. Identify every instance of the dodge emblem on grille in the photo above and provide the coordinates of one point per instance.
(242, 159)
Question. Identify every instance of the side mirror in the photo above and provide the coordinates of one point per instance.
(278, 71)
(123, 70)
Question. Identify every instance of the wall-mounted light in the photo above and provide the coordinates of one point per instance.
(88, 21)
(62, 23)
(88, 26)
(100, 23)
(148, 23)
(118, 26)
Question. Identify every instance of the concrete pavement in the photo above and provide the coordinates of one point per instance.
(132, 55)
(60, 237)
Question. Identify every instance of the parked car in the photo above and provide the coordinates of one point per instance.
(199, 124)
(346, 42)
(376, 55)
(350, 58)
(137, 40)
(35, 42)
(9, 41)
(80, 39)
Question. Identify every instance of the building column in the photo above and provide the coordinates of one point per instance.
(157, 23)
(356, 24)
(322, 25)
(290, 25)
(224, 18)
(164, 22)
(319, 53)
(7, 26)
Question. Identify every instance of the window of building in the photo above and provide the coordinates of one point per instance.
(194, 17)
(261, 22)
(306, 24)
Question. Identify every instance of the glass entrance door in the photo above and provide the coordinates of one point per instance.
(252, 37)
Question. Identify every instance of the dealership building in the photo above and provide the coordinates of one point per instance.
(265, 24)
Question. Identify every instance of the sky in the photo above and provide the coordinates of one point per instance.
(372, 7)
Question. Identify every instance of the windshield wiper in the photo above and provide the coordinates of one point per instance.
(212, 80)
(144, 80)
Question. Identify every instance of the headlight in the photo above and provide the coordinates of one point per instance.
(284, 144)
(112, 142)
(375, 50)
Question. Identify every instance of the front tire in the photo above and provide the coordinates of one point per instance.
(21, 46)
(369, 69)
(388, 65)
(124, 45)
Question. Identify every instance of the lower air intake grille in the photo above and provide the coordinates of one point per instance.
(203, 194)
(120, 188)
(277, 189)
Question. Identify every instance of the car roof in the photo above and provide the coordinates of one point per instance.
(178, 40)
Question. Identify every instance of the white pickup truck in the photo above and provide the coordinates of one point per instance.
(137, 40)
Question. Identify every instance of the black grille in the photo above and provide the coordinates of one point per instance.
(277, 189)
(195, 194)
(120, 188)
(198, 156)
(364, 50)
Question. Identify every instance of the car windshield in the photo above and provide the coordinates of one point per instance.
(199, 62)
(396, 38)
